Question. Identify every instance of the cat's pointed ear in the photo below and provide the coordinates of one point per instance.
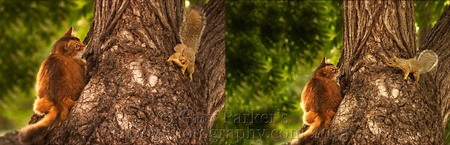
(323, 61)
(68, 32)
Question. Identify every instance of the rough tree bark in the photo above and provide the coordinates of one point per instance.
(379, 107)
(133, 95)
(438, 41)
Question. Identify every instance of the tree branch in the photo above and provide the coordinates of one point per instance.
(437, 40)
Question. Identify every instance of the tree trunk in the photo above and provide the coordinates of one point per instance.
(379, 107)
(133, 95)
(438, 41)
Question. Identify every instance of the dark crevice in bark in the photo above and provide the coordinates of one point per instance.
(111, 24)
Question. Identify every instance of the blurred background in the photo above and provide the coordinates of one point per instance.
(272, 47)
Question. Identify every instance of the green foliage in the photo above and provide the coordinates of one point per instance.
(27, 29)
(426, 14)
(198, 2)
(271, 47)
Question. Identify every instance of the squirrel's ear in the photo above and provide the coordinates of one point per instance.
(68, 32)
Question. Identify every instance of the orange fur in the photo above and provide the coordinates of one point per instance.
(60, 82)
(320, 98)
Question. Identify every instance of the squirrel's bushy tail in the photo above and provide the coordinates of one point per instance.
(192, 28)
(34, 133)
(428, 59)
